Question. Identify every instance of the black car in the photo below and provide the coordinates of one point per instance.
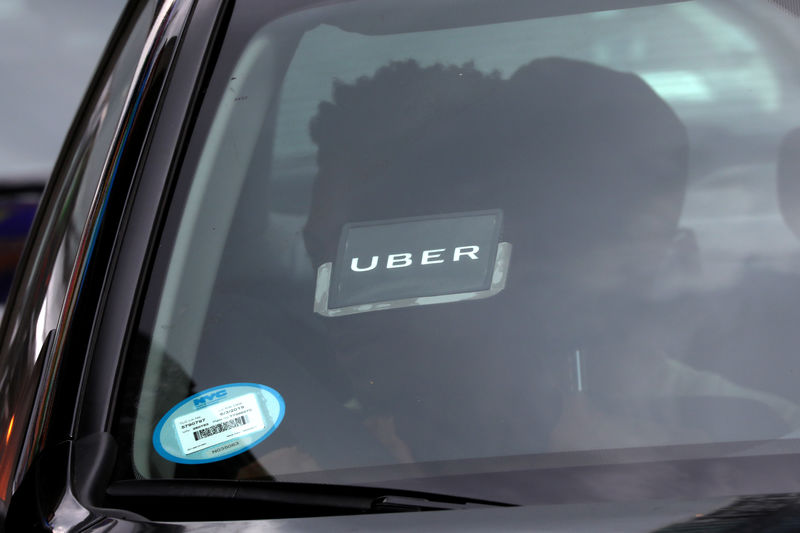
(327, 265)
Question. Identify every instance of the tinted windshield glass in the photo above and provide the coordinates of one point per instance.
(418, 238)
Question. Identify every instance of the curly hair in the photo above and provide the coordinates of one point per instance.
(576, 155)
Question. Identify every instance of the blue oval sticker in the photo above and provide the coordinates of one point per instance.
(218, 423)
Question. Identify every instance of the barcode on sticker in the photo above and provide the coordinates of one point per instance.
(219, 428)
(210, 426)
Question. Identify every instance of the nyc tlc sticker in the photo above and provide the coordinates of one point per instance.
(218, 423)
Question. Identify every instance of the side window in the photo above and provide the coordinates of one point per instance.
(33, 311)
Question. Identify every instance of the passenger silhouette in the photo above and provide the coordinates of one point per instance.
(589, 167)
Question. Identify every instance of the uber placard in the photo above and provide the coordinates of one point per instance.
(414, 261)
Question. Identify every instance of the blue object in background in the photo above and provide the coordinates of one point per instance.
(16, 216)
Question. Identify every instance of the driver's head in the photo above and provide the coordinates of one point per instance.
(589, 165)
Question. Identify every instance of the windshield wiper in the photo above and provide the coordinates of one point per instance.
(225, 500)
(776, 513)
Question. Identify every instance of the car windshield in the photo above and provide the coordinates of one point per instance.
(419, 239)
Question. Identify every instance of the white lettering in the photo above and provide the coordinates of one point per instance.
(355, 268)
(468, 251)
(398, 260)
(430, 257)
(406, 259)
